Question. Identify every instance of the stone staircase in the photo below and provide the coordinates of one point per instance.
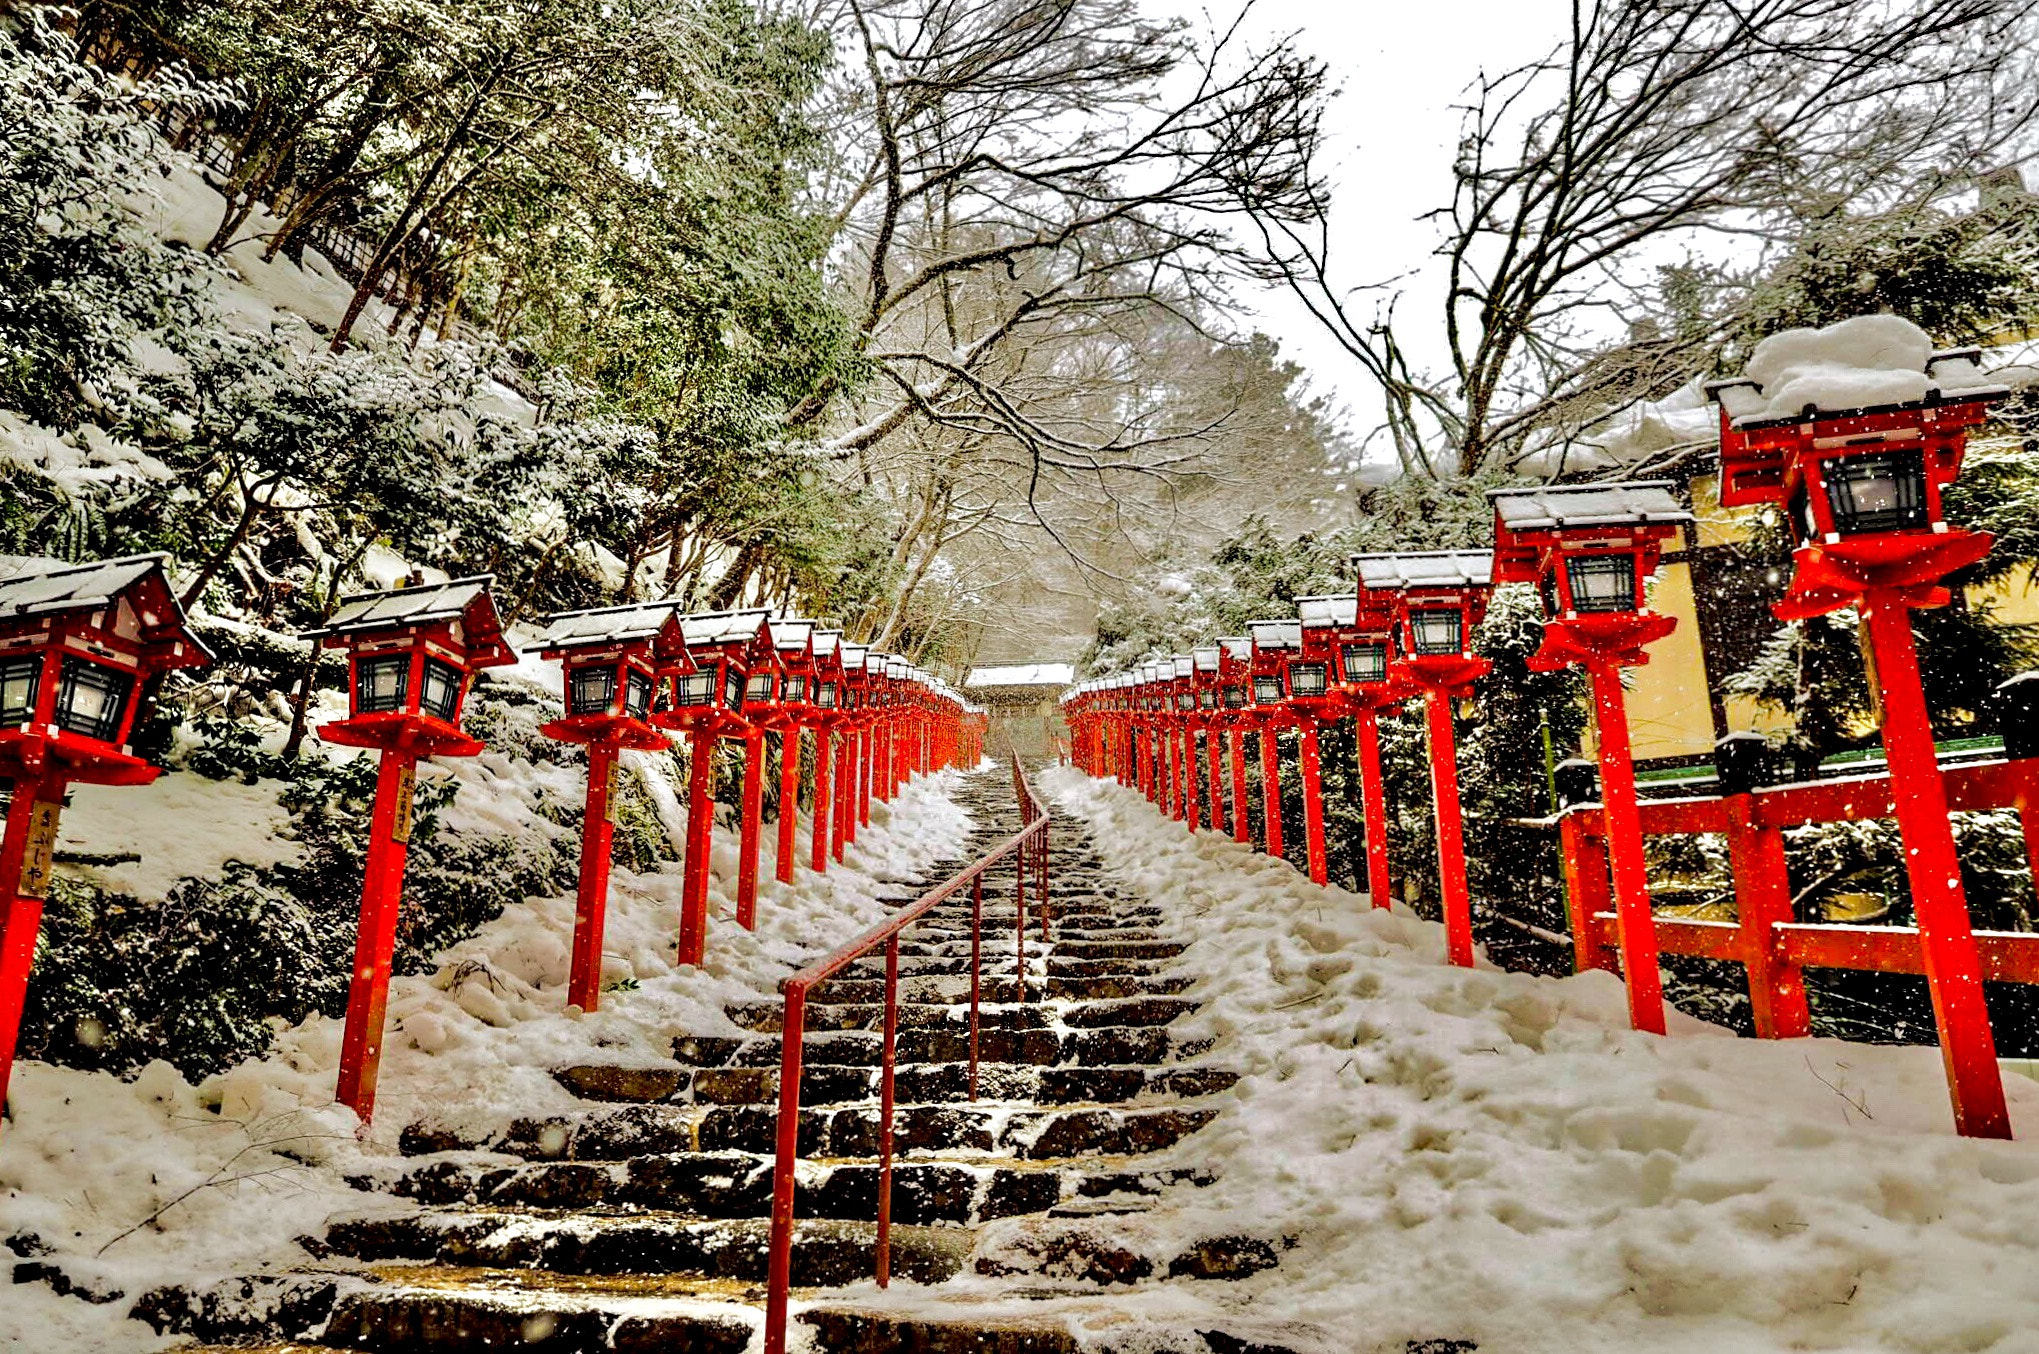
(638, 1221)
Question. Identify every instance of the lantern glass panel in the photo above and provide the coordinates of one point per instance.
(732, 688)
(636, 694)
(824, 695)
(1207, 699)
(1307, 679)
(795, 686)
(1267, 690)
(1184, 701)
(1881, 492)
(1438, 631)
(91, 698)
(1235, 697)
(1601, 582)
(382, 684)
(441, 695)
(20, 684)
(759, 688)
(1366, 662)
(694, 689)
(592, 690)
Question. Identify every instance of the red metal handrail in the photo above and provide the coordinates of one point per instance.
(1028, 849)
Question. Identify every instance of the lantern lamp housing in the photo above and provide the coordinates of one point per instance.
(1207, 699)
(1267, 689)
(20, 683)
(92, 698)
(1883, 491)
(1366, 663)
(1437, 630)
(1307, 680)
(1235, 696)
(1601, 582)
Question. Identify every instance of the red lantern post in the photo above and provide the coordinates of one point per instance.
(706, 702)
(1355, 634)
(1440, 598)
(612, 661)
(1210, 715)
(1860, 488)
(1274, 643)
(851, 755)
(78, 645)
(412, 653)
(1589, 548)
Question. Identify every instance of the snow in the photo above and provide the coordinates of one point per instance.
(1021, 674)
(182, 826)
(224, 1177)
(1477, 1155)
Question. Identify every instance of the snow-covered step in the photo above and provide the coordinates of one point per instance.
(918, 1082)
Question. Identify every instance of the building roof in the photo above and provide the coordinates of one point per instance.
(1551, 507)
(1426, 569)
(1021, 674)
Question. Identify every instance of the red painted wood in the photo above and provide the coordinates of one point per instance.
(1374, 801)
(1625, 852)
(1451, 851)
(382, 887)
(584, 982)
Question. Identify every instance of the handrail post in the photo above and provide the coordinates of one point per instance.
(780, 1272)
(1019, 885)
(976, 969)
(885, 1111)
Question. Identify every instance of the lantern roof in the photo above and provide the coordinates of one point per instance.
(1558, 507)
(1182, 665)
(606, 625)
(1317, 613)
(1276, 634)
(1426, 569)
(827, 643)
(1239, 647)
(1207, 657)
(726, 627)
(790, 634)
(466, 600)
(36, 586)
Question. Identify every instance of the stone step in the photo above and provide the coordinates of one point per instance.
(827, 1252)
(739, 1185)
(619, 1132)
(995, 985)
(1150, 1046)
(918, 1083)
(767, 1017)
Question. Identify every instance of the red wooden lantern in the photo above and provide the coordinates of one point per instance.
(1235, 700)
(1589, 548)
(1354, 637)
(706, 701)
(793, 710)
(411, 653)
(825, 716)
(1440, 597)
(1860, 489)
(78, 644)
(854, 760)
(1274, 644)
(1210, 721)
(613, 661)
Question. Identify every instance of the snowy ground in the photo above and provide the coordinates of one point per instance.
(131, 1184)
(1477, 1155)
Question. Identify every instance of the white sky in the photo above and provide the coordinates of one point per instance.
(1390, 132)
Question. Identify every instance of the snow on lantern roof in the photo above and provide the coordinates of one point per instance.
(1554, 507)
(1859, 365)
(425, 604)
(1426, 569)
(605, 625)
(725, 627)
(1276, 634)
(36, 586)
(1182, 665)
(853, 656)
(790, 634)
(1239, 647)
(1207, 658)
(1022, 674)
(1318, 613)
